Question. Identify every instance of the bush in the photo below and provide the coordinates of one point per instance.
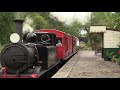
(1, 47)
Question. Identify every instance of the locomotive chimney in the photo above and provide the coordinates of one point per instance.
(18, 26)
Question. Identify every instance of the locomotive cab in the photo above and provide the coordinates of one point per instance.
(42, 38)
(46, 39)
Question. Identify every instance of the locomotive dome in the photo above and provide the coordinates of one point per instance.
(31, 37)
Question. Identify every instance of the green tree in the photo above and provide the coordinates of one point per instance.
(39, 22)
(75, 27)
(116, 21)
(39, 19)
(20, 15)
(103, 18)
(86, 27)
(6, 26)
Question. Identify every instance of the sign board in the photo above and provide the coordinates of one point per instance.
(97, 29)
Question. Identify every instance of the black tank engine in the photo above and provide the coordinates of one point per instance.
(32, 55)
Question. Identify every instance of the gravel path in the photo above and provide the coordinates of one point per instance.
(89, 65)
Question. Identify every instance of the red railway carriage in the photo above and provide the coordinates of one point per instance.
(67, 40)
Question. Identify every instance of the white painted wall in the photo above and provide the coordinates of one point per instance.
(111, 39)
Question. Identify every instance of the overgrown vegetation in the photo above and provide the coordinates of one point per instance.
(1, 47)
(6, 26)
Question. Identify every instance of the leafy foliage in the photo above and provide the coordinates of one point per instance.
(40, 22)
(75, 27)
(6, 26)
(102, 18)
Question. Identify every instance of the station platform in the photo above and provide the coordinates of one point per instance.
(65, 70)
(85, 64)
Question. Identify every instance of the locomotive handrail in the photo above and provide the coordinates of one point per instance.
(45, 42)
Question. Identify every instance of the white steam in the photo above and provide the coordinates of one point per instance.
(27, 25)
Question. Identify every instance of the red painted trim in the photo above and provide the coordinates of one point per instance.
(4, 72)
(118, 51)
(34, 76)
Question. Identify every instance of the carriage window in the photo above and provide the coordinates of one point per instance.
(58, 41)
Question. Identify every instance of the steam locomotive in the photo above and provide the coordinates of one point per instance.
(35, 55)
